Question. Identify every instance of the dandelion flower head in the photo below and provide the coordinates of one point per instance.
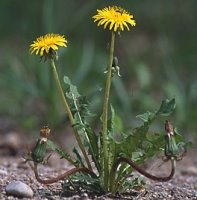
(47, 44)
(115, 18)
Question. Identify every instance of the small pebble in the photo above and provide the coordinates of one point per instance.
(3, 172)
(192, 171)
(19, 189)
(84, 196)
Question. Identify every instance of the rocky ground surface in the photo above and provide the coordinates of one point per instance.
(182, 186)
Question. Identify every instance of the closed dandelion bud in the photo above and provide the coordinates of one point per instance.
(39, 151)
(171, 148)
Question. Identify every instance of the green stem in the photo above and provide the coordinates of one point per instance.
(70, 115)
(105, 114)
(86, 134)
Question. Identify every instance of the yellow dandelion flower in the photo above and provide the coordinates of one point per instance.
(47, 44)
(115, 18)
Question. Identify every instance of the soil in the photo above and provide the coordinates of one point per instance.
(182, 186)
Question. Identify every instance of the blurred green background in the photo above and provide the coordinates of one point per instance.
(157, 60)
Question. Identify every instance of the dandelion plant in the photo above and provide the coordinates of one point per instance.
(103, 160)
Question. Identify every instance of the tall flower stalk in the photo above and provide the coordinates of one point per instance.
(115, 19)
(70, 115)
(105, 111)
(47, 46)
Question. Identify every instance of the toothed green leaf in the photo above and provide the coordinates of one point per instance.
(60, 151)
(167, 107)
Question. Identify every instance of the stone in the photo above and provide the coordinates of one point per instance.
(190, 171)
(19, 189)
(3, 172)
(84, 196)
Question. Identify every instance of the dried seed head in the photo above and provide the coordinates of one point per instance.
(169, 128)
(45, 132)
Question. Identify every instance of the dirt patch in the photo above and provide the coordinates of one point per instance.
(182, 186)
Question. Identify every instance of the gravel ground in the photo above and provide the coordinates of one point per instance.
(182, 186)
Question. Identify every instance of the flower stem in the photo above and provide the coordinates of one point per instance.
(141, 171)
(70, 115)
(63, 176)
(105, 114)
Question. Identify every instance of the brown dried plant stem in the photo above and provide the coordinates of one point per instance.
(61, 176)
(70, 115)
(142, 171)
